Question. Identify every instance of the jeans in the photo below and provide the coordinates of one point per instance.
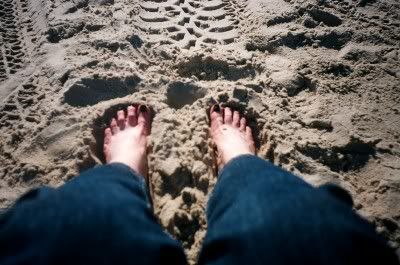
(257, 214)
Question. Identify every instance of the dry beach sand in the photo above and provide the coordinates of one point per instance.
(319, 79)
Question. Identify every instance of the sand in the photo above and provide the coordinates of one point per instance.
(318, 80)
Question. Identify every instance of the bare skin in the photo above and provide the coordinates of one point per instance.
(230, 134)
(125, 141)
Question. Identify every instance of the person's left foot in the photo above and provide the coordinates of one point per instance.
(125, 141)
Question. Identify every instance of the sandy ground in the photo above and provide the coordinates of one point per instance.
(319, 81)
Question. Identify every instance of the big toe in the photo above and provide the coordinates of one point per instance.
(107, 142)
(216, 116)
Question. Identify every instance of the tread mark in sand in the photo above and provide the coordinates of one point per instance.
(188, 23)
(21, 23)
(23, 104)
(11, 53)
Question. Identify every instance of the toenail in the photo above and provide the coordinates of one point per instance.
(142, 108)
(217, 108)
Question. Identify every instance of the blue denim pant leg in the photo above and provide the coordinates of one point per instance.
(101, 217)
(261, 214)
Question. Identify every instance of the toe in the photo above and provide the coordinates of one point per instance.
(107, 136)
(143, 115)
(121, 119)
(242, 125)
(228, 115)
(216, 116)
(249, 138)
(114, 126)
(107, 141)
(236, 119)
(249, 135)
(132, 118)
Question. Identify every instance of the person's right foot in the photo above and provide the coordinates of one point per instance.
(125, 141)
(230, 134)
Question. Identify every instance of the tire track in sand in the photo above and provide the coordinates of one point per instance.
(21, 26)
(189, 23)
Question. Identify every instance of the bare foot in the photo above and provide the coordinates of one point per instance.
(230, 134)
(125, 141)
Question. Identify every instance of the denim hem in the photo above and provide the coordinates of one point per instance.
(236, 160)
